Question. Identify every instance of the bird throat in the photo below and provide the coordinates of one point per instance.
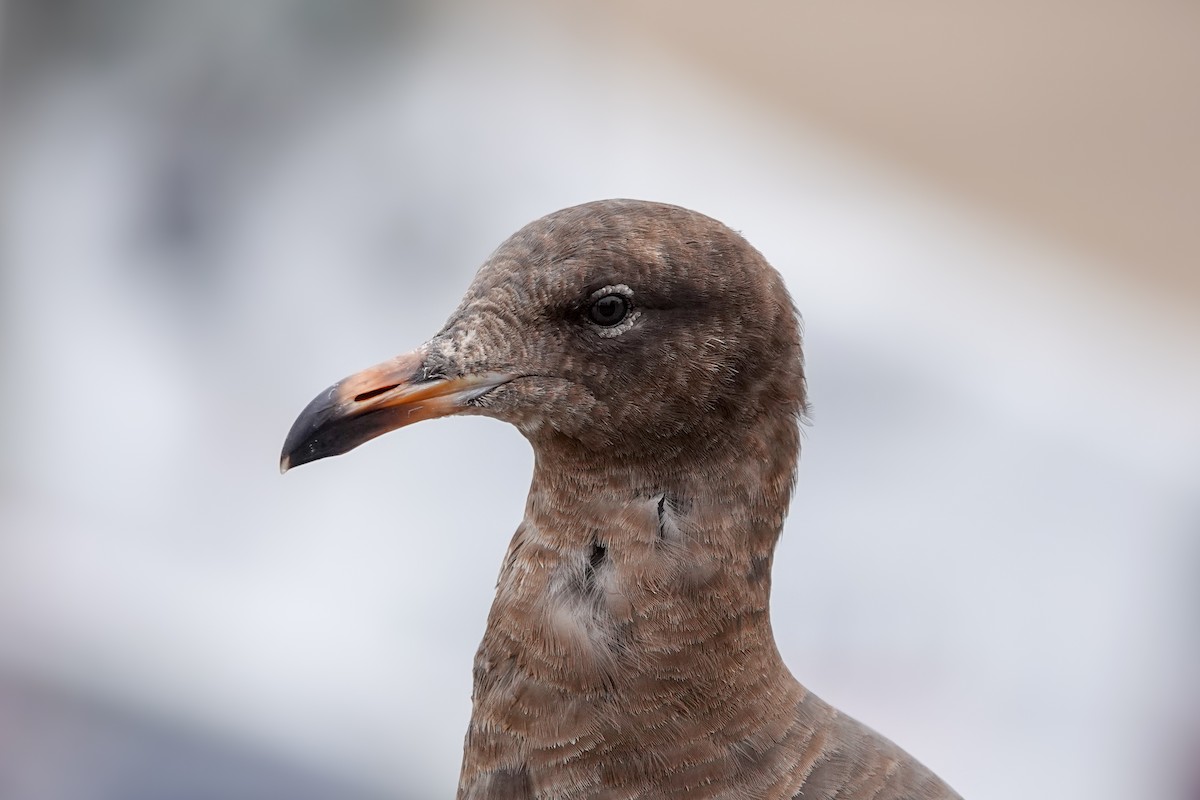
(632, 603)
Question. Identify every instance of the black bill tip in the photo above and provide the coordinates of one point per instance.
(329, 427)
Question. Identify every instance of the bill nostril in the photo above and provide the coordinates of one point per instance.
(358, 398)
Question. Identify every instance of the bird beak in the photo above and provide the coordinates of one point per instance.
(377, 400)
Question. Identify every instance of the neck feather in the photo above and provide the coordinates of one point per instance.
(632, 610)
(621, 572)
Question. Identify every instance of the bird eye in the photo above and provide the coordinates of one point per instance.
(609, 310)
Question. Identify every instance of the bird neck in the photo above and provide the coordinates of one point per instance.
(631, 623)
(620, 569)
(630, 629)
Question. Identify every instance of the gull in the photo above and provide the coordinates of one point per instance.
(652, 358)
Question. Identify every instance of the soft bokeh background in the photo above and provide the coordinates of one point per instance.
(209, 211)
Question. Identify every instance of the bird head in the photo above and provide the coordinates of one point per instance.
(621, 327)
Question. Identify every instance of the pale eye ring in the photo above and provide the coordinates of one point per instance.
(611, 310)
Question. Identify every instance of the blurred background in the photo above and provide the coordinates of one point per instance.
(987, 214)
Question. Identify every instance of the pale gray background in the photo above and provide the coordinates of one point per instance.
(213, 210)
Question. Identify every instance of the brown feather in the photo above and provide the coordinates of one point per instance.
(629, 651)
(652, 672)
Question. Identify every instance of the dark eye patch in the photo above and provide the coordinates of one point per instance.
(679, 299)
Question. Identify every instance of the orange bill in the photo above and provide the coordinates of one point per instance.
(377, 400)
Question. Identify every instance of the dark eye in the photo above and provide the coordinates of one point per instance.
(609, 310)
